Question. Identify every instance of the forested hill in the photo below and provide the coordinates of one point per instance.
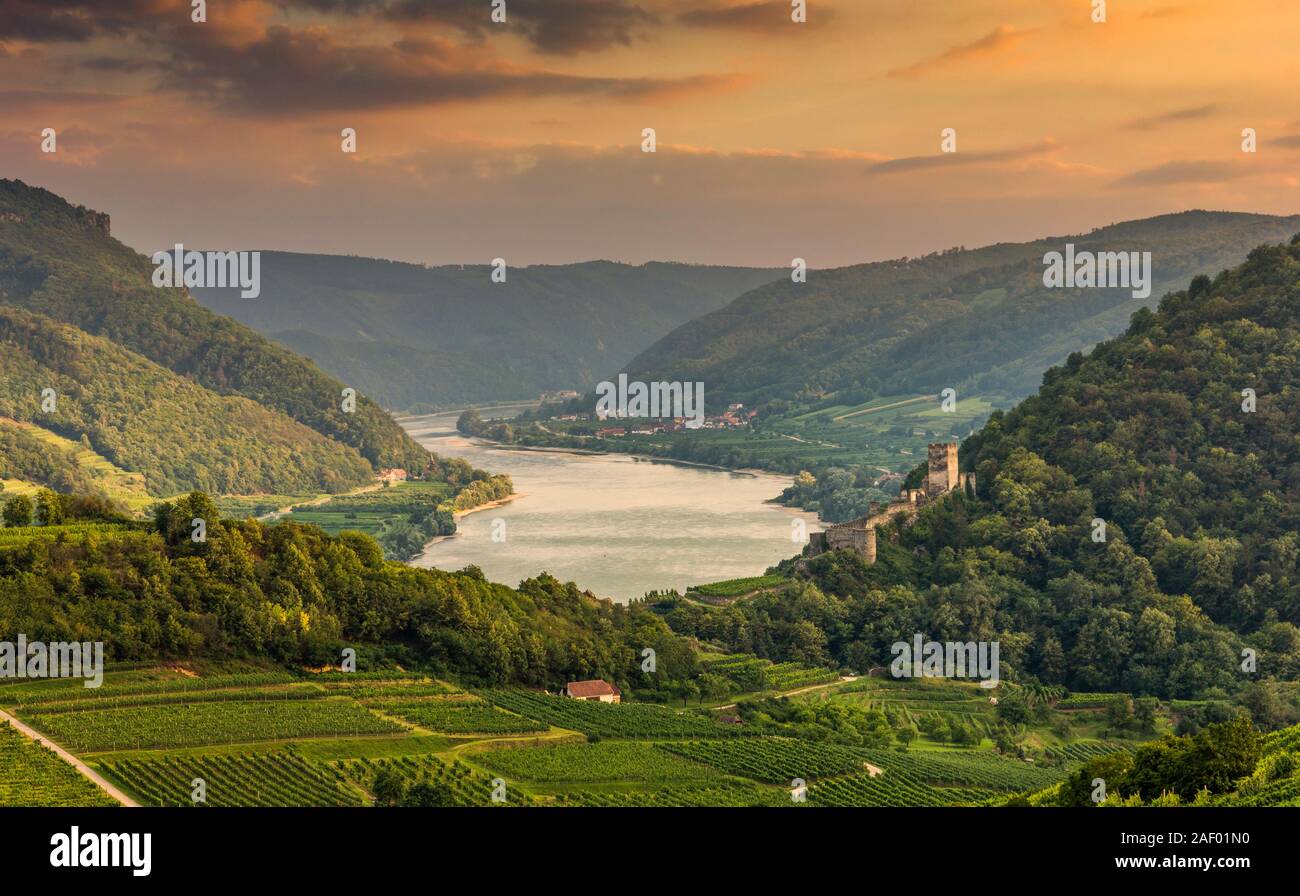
(59, 260)
(1149, 434)
(420, 337)
(979, 320)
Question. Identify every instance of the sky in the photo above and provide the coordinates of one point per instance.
(523, 140)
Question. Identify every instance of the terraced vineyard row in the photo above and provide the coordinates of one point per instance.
(281, 778)
(608, 761)
(610, 720)
(1081, 751)
(292, 692)
(73, 690)
(891, 789)
(776, 760)
(31, 775)
(754, 673)
(456, 716)
(182, 725)
(465, 786)
(724, 795)
(965, 768)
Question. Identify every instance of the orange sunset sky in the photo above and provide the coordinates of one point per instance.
(522, 140)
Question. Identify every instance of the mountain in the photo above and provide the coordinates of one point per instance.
(979, 321)
(419, 337)
(60, 261)
(1135, 525)
(144, 417)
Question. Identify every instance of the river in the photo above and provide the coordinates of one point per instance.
(614, 524)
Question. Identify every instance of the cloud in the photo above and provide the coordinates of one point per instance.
(1190, 172)
(559, 27)
(1177, 115)
(769, 16)
(1013, 154)
(997, 41)
(77, 20)
(307, 70)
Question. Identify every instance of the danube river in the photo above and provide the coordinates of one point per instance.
(614, 524)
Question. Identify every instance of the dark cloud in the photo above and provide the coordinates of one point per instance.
(914, 163)
(1177, 115)
(78, 20)
(560, 27)
(307, 71)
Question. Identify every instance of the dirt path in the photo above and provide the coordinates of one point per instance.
(314, 502)
(67, 757)
(815, 687)
(884, 407)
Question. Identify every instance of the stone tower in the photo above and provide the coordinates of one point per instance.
(942, 475)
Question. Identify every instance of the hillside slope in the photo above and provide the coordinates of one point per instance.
(1151, 436)
(547, 327)
(143, 417)
(59, 260)
(976, 320)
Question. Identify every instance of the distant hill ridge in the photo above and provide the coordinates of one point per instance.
(418, 338)
(978, 320)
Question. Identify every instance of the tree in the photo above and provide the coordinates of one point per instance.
(1144, 713)
(18, 511)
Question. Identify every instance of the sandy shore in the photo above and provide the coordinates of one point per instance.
(489, 505)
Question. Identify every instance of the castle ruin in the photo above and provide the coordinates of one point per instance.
(942, 476)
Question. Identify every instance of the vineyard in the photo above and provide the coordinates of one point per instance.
(184, 725)
(721, 795)
(775, 760)
(323, 738)
(453, 716)
(631, 720)
(31, 775)
(889, 790)
(278, 778)
(751, 673)
(464, 785)
(608, 761)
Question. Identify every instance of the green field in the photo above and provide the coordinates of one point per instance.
(280, 778)
(31, 775)
(368, 511)
(265, 737)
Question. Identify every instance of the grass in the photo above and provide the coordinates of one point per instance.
(31, 775)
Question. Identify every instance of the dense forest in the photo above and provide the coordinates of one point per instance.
(419, 338)
(59, 260)
(979, 321)
(1179, 437)
(291, 593)
(144, 417)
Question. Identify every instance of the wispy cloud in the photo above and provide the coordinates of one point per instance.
(996, 42)
(1012, 154)
(1177, 115)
